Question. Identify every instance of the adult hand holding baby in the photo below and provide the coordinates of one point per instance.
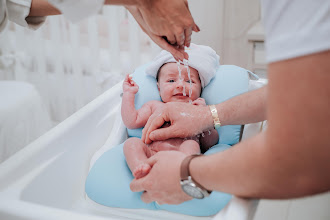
(169, 193)
(182, 117)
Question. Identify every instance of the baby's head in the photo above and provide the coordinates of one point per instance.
(203, 64)
(172, 89)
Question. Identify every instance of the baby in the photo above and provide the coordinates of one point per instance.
(174, 85)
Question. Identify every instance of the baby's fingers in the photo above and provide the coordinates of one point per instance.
(126, 78)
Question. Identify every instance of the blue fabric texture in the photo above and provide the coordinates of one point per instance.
(108, 184)
(108, 180)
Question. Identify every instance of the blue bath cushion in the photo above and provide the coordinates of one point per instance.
(228, 82)
(109, 179)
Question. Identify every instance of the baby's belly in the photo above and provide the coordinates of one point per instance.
(170, 144)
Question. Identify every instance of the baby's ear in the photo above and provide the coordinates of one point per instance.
(158, 87)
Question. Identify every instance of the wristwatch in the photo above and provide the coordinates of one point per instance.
(188, 184)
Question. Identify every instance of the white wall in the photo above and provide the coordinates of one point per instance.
(224, 25)
(208, 15)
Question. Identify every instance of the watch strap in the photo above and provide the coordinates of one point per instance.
(185, 172)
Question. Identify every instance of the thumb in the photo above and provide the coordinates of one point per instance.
(196, 28)
(164, 133)
(137, 185)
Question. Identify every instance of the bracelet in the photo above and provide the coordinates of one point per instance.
(216, 120)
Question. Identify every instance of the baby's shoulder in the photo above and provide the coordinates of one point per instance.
(154, 104)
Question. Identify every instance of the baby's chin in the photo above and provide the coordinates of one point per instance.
(181, 99)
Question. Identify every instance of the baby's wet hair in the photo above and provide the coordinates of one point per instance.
(159, 71)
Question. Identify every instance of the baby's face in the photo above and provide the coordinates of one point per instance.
(171, 87)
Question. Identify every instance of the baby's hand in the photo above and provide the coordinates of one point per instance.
(199, 101)
(129, 85)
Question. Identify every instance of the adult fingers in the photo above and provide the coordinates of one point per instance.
(170, 39)
(181, 48)
(187, 39)
(180, 37)
(196, 28)
(175, 51)
(163, 134)
(142, 184)
(145, 197)
(154, 122)
(137, 185)
(145, 136)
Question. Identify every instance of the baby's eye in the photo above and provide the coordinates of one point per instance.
(188, 81)
(171, 80)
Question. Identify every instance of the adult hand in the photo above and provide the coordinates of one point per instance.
(177, 51)
(170, 18)
(186, 120)
(162, 184)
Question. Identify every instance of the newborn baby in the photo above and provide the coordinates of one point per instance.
(174, 85)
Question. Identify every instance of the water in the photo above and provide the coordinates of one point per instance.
(179, 69)
(188, 71)
(185, 63)
(180, 78)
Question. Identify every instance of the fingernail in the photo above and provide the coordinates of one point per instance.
(198, 30)
(179, 58)
(186, 56)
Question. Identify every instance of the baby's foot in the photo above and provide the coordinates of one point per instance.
(141, 170)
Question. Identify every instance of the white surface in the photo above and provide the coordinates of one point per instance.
(71, 64)
(76, 10)
(46, 179)
(313, 207)
(293, 29)
(23, 117)
(18, 11)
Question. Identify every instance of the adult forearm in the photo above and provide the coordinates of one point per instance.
(244, 109)
(245, 170)
(291, 158)
(257, 168)
(124, 2)
(42, 8)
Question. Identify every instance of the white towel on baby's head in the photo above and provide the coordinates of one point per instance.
(202, 58)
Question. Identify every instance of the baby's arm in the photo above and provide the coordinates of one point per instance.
(133, 118)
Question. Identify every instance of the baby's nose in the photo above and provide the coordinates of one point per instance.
(179, 84)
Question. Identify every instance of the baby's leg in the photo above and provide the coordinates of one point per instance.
(136, 155)
(190, 147)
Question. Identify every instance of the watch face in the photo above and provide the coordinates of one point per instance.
(192, 191)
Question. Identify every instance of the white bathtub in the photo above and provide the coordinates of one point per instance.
(46, 179)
